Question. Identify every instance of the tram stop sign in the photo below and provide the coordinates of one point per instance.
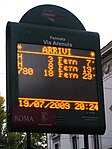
(54, 81)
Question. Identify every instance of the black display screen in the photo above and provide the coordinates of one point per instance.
(52, 76)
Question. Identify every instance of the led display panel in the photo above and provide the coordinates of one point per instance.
(41, 67)
(54, 81)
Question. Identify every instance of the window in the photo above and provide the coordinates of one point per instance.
(74, 141)
(56, 146)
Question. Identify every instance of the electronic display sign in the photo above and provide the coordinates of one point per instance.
(41, 67)
(54, 81)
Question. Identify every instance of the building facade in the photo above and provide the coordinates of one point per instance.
(74, 141)
(107, 84)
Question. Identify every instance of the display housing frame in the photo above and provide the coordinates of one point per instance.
(61, 121)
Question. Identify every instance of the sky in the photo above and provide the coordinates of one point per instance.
(95, 15)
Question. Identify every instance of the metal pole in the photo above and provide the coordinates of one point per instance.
(96, 142)
(28, 140)
(86, 145)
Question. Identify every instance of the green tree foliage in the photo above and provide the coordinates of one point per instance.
(2, 119)
(17, 140)
(2, 113)
(38, 140)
